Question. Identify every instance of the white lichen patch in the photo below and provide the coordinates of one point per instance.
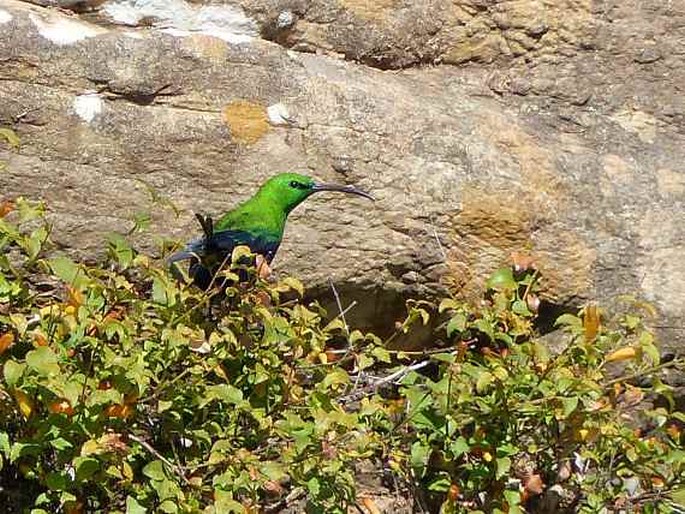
(88, 106)
(278, 114)
(180, 18)
(5, 17)
(62, 30)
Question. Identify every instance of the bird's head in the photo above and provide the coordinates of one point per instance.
(291, 189)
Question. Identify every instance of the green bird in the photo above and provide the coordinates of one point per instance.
(257, 223)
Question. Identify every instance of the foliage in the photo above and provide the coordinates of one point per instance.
(125, 390)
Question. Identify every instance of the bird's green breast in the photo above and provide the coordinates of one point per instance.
(258, 218)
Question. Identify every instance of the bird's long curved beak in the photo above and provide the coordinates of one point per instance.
(342, 189)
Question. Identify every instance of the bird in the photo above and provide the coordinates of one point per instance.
(257, 223)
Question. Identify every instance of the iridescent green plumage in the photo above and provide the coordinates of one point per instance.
(257, 223)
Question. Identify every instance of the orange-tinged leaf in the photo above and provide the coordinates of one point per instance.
(6, 340)
(61, 407)
(74, 297)
(263, 269)
(591, 322)
(370, 505)
(25, 403)
(119, 411)
(633, 395)
(112, 442)
(534, 484)
(453, 493)
(273, 488)
(522, 261)
(221, 372)
(6, 207)
(622, 354)
(73, 507)
(39, 339)
(673, 431)
(533, 302)
(658, 481)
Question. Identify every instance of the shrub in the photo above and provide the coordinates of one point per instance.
(126, 390)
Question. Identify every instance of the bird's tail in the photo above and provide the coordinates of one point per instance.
(183, 255)
(192, 250)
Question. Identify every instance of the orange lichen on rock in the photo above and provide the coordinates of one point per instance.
(247, 120)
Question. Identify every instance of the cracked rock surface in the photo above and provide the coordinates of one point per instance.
(482, 126)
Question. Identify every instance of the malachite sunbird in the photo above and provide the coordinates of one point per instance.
(257, 223)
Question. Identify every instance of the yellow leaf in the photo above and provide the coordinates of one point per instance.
(487, 456)
(591, 322)
(126, 470)
(24, 402)
(622, 354)
(90, 447)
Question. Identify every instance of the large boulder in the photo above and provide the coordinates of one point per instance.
(549, 127)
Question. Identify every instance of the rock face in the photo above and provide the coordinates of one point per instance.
(482, 126)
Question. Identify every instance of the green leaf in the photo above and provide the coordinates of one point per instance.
(13, 371)
(570, 405)
(43, 360)
(120, 250)
(519, 307)
(448, 304)
(456, 324)
(61, 444)
(381, 354)
(155, 470)
(294, 284)
(501, 280)
(569, 320)
(678, 496)
(162, 293)
(364, 361)
(168, 506)
(440, 484)
(226, 393)
(133, 507)
(57, 481)
(68, 271)
(503, 467)
(314, 486)
(335, 377)
(420, 453)
(484, 380)
(85, 467)
(459, 447)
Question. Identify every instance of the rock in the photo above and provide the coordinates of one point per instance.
(577, 158)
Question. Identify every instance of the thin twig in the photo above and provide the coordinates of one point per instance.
(337, 301)
(385, 380)
(293, 496)
(437, 240)
(178, 470)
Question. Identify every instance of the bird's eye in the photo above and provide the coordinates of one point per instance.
(297, 185)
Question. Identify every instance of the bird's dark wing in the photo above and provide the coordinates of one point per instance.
(221, 243)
